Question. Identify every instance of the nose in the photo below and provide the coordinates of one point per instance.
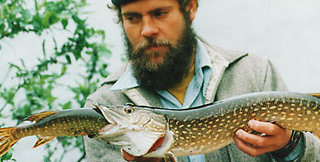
(149, 28)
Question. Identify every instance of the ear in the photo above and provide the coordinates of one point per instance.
(192, 9)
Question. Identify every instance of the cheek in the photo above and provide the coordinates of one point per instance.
(132, 34)
(175, 31)
(174, 28)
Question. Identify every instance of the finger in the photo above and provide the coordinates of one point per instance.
(127, 156)
(249, 149)
(254, 140)
(265, 127)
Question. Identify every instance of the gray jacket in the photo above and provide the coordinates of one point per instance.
(233, 73)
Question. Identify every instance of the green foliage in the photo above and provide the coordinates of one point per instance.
(33, 88)
(7, 156)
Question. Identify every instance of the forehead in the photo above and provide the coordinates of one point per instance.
(147, 5)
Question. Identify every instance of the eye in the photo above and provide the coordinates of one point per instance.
(128, 110)
(133, 19)
(160, 13)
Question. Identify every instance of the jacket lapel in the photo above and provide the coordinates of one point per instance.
(220, 60)
(219, 65)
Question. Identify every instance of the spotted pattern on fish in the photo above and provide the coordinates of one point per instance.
(207, 128)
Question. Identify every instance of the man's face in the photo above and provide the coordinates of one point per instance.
(159, 39)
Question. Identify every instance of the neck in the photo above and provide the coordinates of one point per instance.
(179, 90)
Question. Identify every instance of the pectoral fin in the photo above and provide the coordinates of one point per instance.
(141, 142)
(42, 140)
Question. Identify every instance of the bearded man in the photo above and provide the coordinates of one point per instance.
(170, 67)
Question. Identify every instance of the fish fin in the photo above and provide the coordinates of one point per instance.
(6, 139)
(42, 140)
(39, 116)
(316, 95)
(140, 142)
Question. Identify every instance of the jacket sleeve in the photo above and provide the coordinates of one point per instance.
(312, 148)
(310, 143)
(100, 151)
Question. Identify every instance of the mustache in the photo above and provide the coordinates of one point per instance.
(152, 43)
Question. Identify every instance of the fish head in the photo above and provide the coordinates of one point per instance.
(134, 129)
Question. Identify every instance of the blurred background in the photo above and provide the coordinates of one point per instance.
(287, 32)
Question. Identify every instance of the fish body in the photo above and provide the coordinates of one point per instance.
(75, 122)
(210, 127)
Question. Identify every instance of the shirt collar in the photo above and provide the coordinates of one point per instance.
(202, 57)
(128, 81)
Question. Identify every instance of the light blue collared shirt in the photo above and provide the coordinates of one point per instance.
(195, 91)
(194, 94)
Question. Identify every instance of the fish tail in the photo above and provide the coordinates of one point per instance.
(7, 139)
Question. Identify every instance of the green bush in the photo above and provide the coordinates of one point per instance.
(31, 88)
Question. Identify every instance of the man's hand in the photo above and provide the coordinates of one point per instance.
(130, 157)
(254, 145)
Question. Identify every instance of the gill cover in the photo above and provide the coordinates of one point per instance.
(135, 130)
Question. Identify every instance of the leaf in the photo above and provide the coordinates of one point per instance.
(49, 19)
(64, 23)
(15, 66)
(22, 63)
(7, 156)
(68, 59)
(103, 71)
(66, 106)
(44, 48)
(63, 70)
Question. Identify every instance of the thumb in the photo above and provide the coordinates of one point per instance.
(127, 156)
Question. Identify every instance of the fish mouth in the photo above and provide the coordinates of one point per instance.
(111, 128)
(107, 128)
(110, 116)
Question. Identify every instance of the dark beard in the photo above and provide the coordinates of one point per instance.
(175, 66)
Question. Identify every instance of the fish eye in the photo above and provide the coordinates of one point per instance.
(129, 110)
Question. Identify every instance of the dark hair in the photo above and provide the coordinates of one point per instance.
(182, 3)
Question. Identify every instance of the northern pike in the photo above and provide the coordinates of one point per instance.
(161, 132)
(204, 129)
